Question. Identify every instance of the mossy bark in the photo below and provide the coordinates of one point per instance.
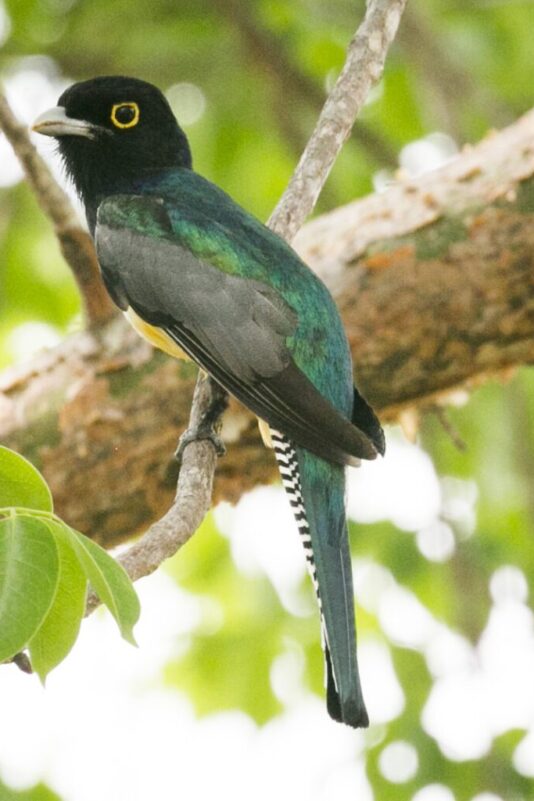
(435, 282)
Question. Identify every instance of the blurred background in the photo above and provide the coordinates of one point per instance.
(224, 696)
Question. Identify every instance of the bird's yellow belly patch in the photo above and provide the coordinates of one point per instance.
(155, 335)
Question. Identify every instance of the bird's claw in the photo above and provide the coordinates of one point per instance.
(197, 434)
(209, 423)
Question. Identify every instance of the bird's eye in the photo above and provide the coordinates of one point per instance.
(125, 115)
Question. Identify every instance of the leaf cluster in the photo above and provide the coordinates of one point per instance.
(45, 570)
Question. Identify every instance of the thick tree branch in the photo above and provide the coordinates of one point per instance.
(76, 244)
(434, 277)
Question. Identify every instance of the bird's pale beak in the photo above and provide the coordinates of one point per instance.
(55, 122)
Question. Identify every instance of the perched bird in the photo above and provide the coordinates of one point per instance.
(201, 278)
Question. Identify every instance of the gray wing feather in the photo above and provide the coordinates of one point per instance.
(236, 328)
(243, 322)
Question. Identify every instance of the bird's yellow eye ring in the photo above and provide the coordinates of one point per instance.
(125, 115)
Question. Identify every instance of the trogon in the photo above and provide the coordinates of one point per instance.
(201, 278)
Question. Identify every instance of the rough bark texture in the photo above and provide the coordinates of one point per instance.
(435, 280)
(434, 277)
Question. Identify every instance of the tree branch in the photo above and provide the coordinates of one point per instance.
(191, 503)
(363, 67)
(434, 281)
(268, 53)
(76, 244)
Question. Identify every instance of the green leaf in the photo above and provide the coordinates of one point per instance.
(60, 628)
(21, 484)
(29, 575)
(37, 793)
(109, 581)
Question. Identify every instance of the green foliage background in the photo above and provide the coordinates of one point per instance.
(459, 66)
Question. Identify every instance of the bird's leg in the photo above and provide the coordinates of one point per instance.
(208, 423)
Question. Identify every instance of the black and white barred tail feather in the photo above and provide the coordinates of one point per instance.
(288, 466)
(344, 699)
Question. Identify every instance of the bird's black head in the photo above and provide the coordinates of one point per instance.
(112, 131)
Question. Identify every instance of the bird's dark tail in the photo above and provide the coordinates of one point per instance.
(316, 491)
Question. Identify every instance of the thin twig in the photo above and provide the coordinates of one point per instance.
(268, 53)
(76, 244)
(363, 67)
(450, 429)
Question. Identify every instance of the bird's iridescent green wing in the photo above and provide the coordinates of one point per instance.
(239, 329)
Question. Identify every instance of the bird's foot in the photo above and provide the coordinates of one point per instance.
(208, 425)
(196, 434)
